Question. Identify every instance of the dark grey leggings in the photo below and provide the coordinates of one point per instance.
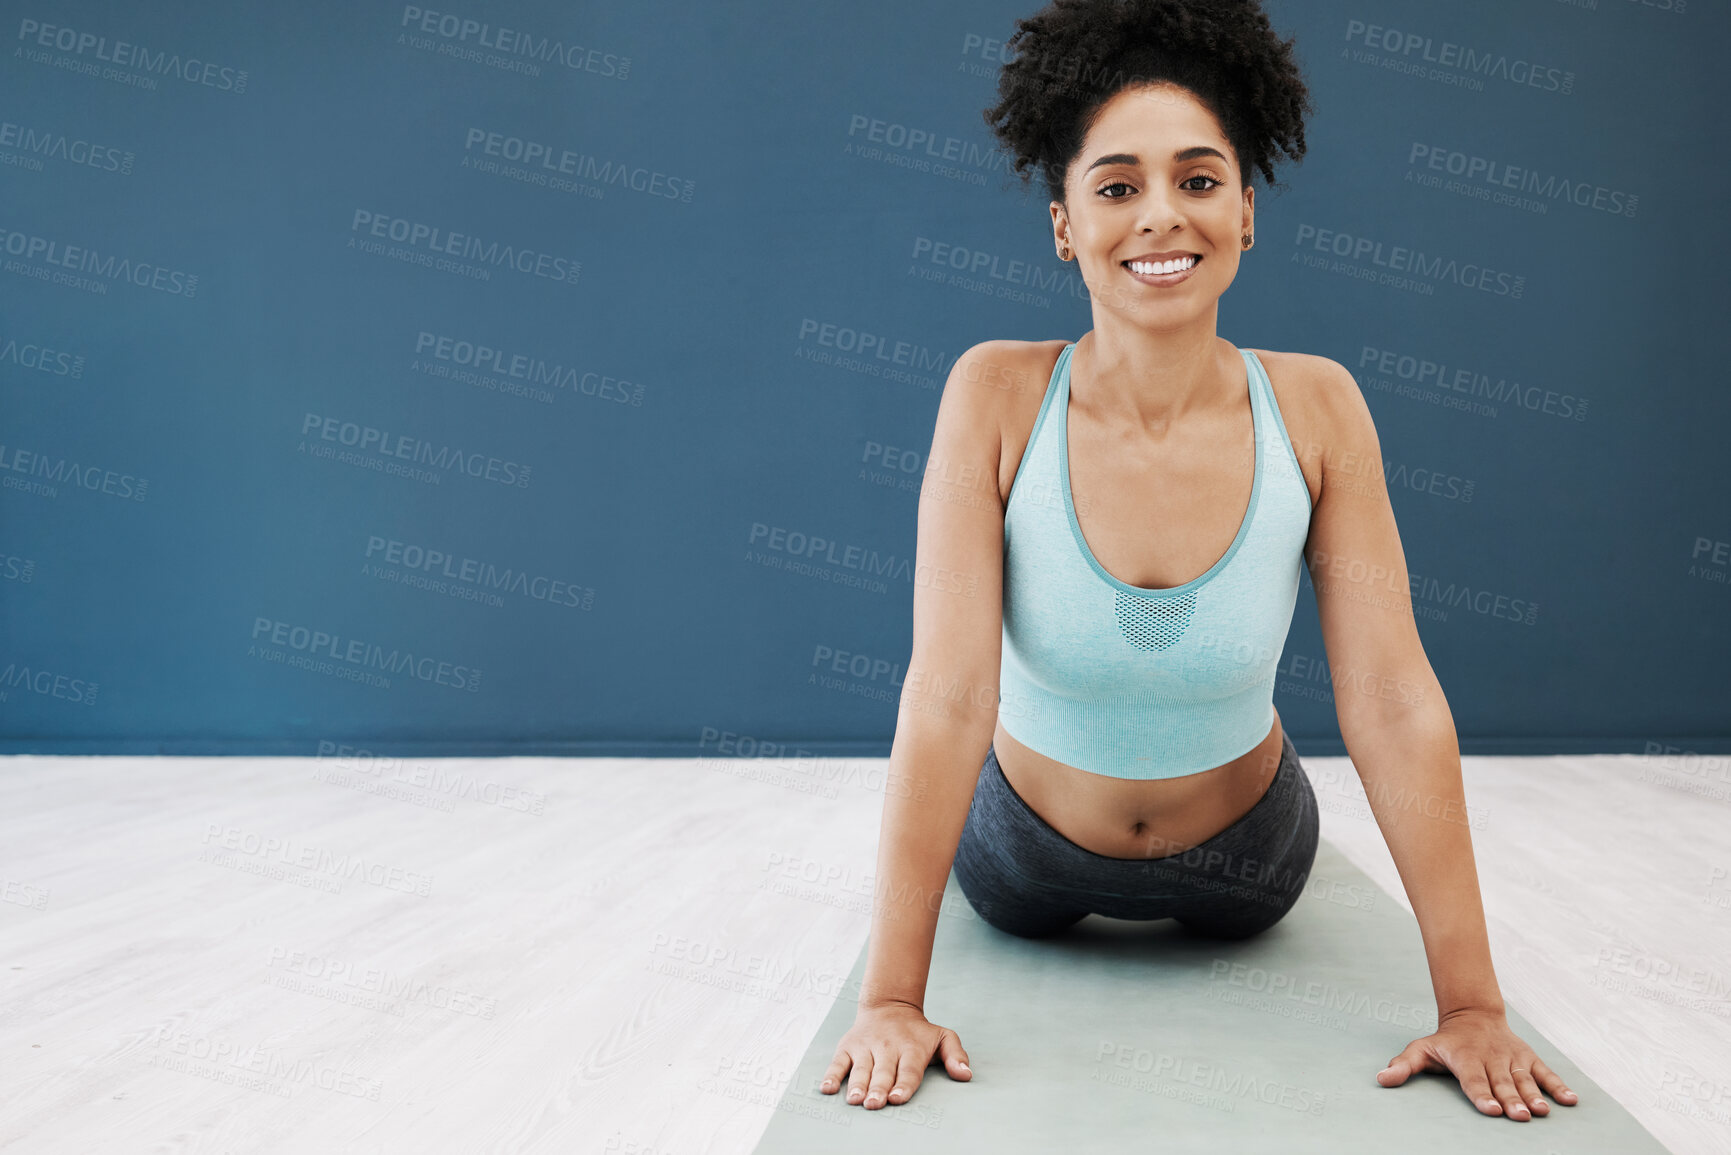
(1024, 877)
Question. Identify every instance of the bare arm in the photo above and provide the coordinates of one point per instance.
(1398, 729)
(1401, 738)
(949, 697)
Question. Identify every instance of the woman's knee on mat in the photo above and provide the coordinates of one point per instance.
(1007, 907)
(1023, 921)
(1240, 920)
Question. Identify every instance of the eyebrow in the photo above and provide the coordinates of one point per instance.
(1178, 157)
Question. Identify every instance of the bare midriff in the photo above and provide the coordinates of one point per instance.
(1138, 818)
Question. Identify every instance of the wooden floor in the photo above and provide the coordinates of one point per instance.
(554, 955)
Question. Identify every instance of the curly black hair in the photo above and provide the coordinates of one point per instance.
(1074, 55)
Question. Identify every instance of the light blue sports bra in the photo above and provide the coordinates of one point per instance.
(1145, 683)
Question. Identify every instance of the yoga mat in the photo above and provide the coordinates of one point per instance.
(1128, 1036)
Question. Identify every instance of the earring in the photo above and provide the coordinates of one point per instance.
(1064, 253)
(1249, 241)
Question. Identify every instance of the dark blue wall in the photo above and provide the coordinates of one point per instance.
(262, 492)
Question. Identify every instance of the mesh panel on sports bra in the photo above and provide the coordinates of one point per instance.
(1154, 623)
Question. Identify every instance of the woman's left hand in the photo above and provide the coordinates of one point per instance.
(1480, 1050)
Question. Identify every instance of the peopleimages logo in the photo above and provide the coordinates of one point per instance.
(549, 160)
(40, 358)
(47, 682)
(1468, 381)
(47, 473)
(273, 637)
(1368, 255)
(485, 575)
(39, 144)
(1502, 178)
(877, 345)
(442, 242)
(462, 30)
(127, 55)
(108, 267)
(1479, 63)
(525, 367)
(813, 548)
(369, 439)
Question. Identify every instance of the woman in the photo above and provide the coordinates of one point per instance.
(1092, 722)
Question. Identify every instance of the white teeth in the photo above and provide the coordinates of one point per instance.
(1178, 264)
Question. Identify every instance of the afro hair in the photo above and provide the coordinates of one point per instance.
(1074, 55)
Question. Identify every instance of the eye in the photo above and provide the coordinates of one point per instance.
(1199, 176)
(1115, 184)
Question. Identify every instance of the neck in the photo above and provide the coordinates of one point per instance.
(1149, 377)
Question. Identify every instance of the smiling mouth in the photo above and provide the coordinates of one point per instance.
(1167, 268)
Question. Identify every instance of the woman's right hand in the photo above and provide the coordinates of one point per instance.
(889, 1047)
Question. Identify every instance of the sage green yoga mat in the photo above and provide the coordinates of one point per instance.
(1137, 1036)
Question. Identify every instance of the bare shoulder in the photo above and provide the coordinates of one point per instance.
(1005, 368)
(995, 388)
(1323, 408)
(1309, 381)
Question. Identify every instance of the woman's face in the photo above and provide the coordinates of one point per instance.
(1155, 176)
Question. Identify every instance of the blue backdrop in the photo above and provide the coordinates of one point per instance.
(529, 376)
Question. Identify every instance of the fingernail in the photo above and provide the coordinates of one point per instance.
(962, 1067)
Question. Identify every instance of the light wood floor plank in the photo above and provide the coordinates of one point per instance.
(644, 961)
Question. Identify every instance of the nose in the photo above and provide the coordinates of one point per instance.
(1160, 214)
